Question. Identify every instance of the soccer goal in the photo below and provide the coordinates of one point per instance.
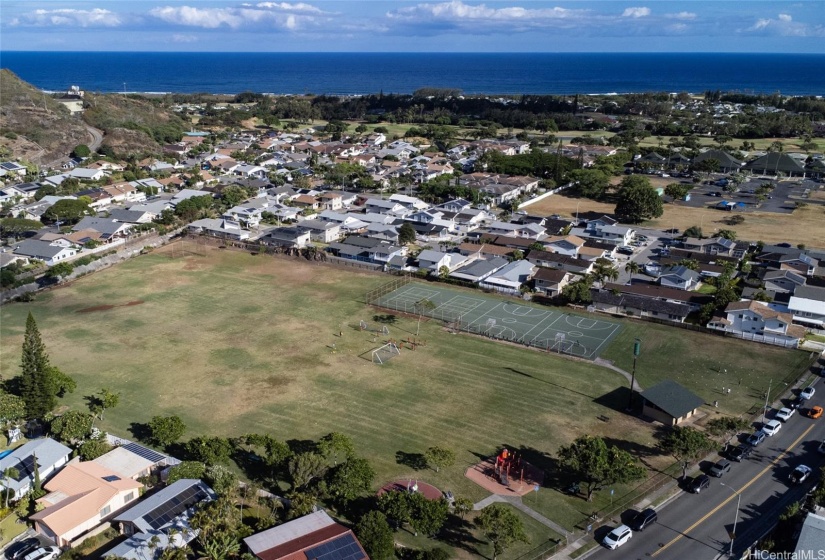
(385, 353)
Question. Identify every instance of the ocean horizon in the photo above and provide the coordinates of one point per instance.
(472, 73)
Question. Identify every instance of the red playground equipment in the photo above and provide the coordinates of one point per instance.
(508, 463)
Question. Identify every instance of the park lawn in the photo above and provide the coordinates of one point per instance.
(705, 363)
(468, 541)
(802, 226)
(235, 343)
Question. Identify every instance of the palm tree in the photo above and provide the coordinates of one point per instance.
(633, 268)
(8, 474)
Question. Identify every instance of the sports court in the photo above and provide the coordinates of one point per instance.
(522, 323)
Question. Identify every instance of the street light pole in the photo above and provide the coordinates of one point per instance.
(767, 395)
(637, 349)
(735, 517)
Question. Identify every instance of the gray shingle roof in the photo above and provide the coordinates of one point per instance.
(673, 398)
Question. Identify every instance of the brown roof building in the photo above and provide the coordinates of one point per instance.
(312, 536)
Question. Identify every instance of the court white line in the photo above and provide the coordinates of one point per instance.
(615, 328)
(524, 336)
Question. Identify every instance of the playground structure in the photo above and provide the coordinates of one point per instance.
(505, 461)
(506, 473)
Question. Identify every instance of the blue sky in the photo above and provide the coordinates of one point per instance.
(419, 26)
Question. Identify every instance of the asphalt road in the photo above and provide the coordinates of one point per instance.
(696, 526)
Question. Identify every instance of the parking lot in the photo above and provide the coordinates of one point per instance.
(781, 200)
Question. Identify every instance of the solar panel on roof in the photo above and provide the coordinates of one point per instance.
(25, 468)
(174, 506)
(145, 452)
(342, 548)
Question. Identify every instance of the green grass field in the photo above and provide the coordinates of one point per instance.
(235, 343)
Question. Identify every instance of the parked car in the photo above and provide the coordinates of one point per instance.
(815, 412)
(617, 537)
(796, 403)
(772, 427)
(699, 483)
(800, 474)
(784, 414)
(44, 553)
(821, 447)
(21, 549)
(643, 519)
(807, 393)
(625, 249)
(740, 453)
(756, 438)
(720, 468)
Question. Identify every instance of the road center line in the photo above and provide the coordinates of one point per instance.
(732, 496)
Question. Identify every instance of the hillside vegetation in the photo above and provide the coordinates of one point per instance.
(35, 126)
(133, 124)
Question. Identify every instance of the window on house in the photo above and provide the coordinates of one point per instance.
(105, 511)
(128, 497)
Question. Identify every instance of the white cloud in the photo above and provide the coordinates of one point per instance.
(682, 16)
(677, 27)
(457, 14)
(67, 17)
(636, 12)
(785, 26)
(278, 15)
(182, 38)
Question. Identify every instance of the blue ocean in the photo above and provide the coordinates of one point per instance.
(360, 73)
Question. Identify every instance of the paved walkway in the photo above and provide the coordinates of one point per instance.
(516, 502)
(609, 365)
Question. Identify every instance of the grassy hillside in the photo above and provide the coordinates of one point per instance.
(133, 123)
(35, 126)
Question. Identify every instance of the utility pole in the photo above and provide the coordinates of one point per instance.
(735, 517)
(767, 395)
(637, 349)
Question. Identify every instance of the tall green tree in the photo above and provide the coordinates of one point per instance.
(592, 462)
(8, 474)
(103, 400)
(590, 183)
(687, 445)
(375, 535)
(427, 516)
(351, 479)
(501, 527)
(406, 233)
(336, 447)
(165, 430)
(632, 267)
(438, 457)
(36, 383)
(72, 426)
(637, 200)
(12, 408)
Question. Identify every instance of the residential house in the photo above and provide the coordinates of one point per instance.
(433, 261)
(510, 278)
(477, 270)
(161, 521)
(12, 168)
(313, 536)
(694, 300)
(562, 262)
(306, 201)
(83, 174)
(520, 243)
(384, 232)
(127, 463)
(387, 207)
(219, 227)
(569, 245)
(795, 260)
(321, 231)
(366, 249)
(773, 163)
(410, 202)
(757, 320)
(186, 194)
(46, 453)
(81, 496)
(130, 216)
(811, 535)
(551, 281)
(349, 223)
(331, 201)
(108, 228)
(670, 403)
(290, 237)
(605, 230)
(782, 281)
(50, 253)
(485, 250)
(457, 205)
(711, 246)
(640, 306)
(525, 231)
(807, 305)
(679, 277)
